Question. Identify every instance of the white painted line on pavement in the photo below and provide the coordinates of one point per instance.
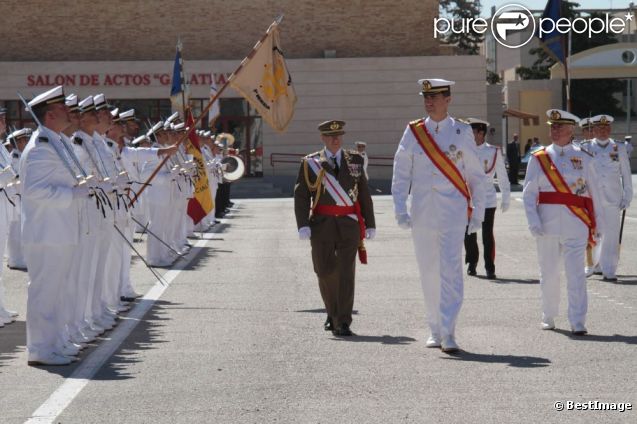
(73, 385)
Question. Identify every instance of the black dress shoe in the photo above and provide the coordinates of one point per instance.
(491, 275)
(126, 299)
(471, 270)
(328, 324)
(610, 279)
(231, 204)
(344, 331)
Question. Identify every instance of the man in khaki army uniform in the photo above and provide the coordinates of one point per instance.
(334, 210)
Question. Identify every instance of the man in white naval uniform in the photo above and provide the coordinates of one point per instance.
(560, 199)
(159, 198)
(438, 204)
(50, 229)
(15, 259)
(493, 163)
(616, 192)
(7, 177)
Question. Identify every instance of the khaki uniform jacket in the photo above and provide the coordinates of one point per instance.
(352, 178)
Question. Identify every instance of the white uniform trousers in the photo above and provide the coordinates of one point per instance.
(439, 256)
(14, 246)
(102, 274)
(158, 254)
(606, 251)
(126, 288)
(87, 269)
(551, 251)
(110, 293)
(3, 242)
(48, 271)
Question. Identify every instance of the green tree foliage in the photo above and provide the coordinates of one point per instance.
(466, 40)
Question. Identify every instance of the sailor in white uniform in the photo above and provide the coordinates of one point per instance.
(493, 163)
(616, 190)
(561, 200)
(437, 166)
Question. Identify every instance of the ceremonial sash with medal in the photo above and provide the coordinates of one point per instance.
(495, 157)
(581, 206)
(441, 160)
(344, 206)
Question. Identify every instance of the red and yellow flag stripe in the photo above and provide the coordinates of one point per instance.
(438, 158)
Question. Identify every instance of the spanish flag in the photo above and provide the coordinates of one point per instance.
(201, 204)
(263, 79)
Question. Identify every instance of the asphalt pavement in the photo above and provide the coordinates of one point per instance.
(237, 337)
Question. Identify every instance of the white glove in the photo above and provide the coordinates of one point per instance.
(403, 221)
(107, 186)
(536, 230)
(474, 226)
(305, 233)
(370, 233)
(504, 206)
(623, 204)
(81, 191)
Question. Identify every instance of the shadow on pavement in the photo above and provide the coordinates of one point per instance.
(13, 340)
(321, 311)
(516, 281)
(511, 360)
(388, 340)
(616, 338)
(146, 335)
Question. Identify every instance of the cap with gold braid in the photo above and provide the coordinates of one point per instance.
(585, 123)
(87, 105)
(557, 116)
(71, 103)
(602, 120)
(435, 86)
(54, 95)
(332, 127)
(128, 115)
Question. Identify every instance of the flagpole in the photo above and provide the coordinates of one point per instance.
(204, 112)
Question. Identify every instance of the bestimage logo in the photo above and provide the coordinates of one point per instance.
(512, 19)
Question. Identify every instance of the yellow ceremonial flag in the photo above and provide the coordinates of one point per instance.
(202, 203)
(263, 79)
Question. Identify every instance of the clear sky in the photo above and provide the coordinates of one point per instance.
(540, 4)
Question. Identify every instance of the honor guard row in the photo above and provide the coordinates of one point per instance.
(70, 184)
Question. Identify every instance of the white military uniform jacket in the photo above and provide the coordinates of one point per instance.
(613, 170)
(47, 193)
(493, 163)
(576, 168)
(435, 202)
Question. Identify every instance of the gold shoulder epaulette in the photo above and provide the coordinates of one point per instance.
(312, 154)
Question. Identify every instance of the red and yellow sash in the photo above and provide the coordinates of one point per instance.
(495, 158)
(582, 209)
(440, 160)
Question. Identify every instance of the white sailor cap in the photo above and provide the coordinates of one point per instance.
(140, 139)
(602, 120)
(87, 105)
(54, 95)
(628, 137)
(71, 103)
(585, 122)
(476, 121)
(434, 86)
(24, 132)
(179, 127)
(100, 102)
(557, 116)
(115, 115)
(3, 111)
(159, 126)
(360, 143)
(171, 118)
(127, 115)
(207, 133)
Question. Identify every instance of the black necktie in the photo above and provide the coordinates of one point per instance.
(335, 165)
